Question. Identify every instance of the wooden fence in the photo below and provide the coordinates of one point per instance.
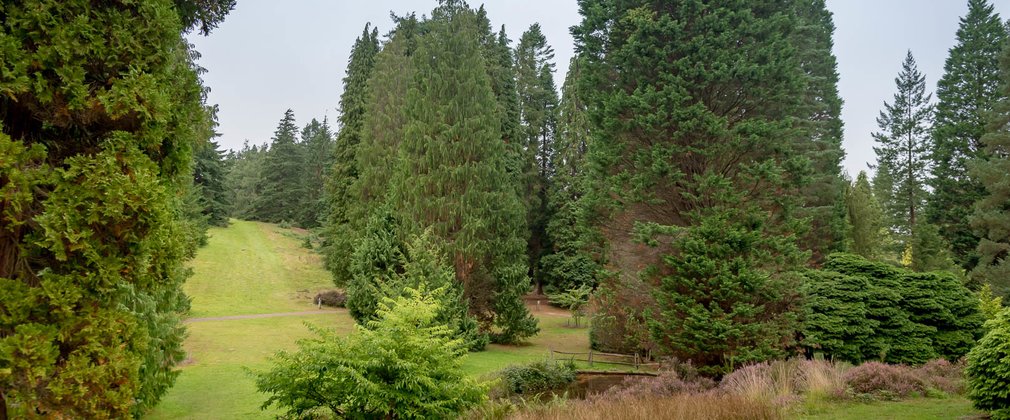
(604, 358)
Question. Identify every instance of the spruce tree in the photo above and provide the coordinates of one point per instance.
(209, 176)
(280, 187)
(538, 103)
(865, 219)
(695, 175)
(317, 158)
(965, 96)
(822, 127)
(101, 110)
(452, 167)
(344, 172)
(903, 146)
(242, 182)
(991, 219)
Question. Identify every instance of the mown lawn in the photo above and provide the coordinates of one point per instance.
(915, 409)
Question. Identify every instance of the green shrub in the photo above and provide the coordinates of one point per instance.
(535, 378)
(989, 368)
(404, 365)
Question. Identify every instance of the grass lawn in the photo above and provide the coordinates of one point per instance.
(916, 409)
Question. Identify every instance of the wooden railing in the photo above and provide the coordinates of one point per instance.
(604, 358)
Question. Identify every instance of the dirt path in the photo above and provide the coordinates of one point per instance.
(254, 316)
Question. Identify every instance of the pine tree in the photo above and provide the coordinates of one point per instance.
(281, 187)
(822, 124)
(865, 219)
(966, 95)
(345, 170)
(694, 175)
(992, 214)
(317, 158)
(209, 176)
(452, 170)
(538, 103)
(904, 144)
(242, 182)
(101, 110)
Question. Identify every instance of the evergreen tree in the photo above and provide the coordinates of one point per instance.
(694, 174)
(242, 182)
(452, 169)
(822, 126)
(904, 144)
(280, 187)
(538, 103)
(102, 107)
(965, 96)
(339, 198)
(209, 176)
(317, 157)
(930, 250)
(991, 219)
(865, 219)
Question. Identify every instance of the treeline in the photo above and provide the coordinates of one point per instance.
(688, 171)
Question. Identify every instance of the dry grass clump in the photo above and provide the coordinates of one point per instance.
(712, 405)
(785, 381)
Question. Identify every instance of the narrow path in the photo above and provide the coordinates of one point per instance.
(254, 316)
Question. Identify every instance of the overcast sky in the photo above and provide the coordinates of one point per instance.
(270, 55)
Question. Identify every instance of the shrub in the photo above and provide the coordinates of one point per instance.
(535, 378)
(404, 365)
(883, 381)
(944, 376)
(709, 405)
(668, 383)
(332, 298)
(988, 368)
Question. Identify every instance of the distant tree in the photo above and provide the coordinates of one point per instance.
(404, 364)
(452, 172)
(991, 219)
(280, 187)
(538, 107)
(317, 157)
(242, 182)
(209, 176)
(340, 200)
(574, 299)
(903, 146)
(930, 250)
(865, 219)
(966, 95)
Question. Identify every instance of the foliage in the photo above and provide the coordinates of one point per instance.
(867, 226)
(883, 381)
(101, 110)
(988, 304)
(930, 250)
(535, 378)
(991, 219)
(574, 300)
(280, 184)
(378, 258)
(965, 97)
(403, 365)
(209, 179)
(333, 298)
(988, 370)
(904, 143)
(316, 157)
(242, 180)
(835, 313)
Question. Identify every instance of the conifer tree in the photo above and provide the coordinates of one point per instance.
(965, 96)
(209, 176)
(280, 187)
(317, 158)
(242, 182)
(903, 146)
(865, 219)
(538, 103)
(452, 167)
(695, 186)
(822, 127)
(991, 219)
(340, 200)
(101, 110)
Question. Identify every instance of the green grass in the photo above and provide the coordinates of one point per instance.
(914, 409)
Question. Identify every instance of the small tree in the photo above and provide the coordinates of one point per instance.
(404, 365)
(574, 300)
(988, 370)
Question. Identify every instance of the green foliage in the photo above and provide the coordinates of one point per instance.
(378, 258)
(538, 377)
(965, 97)
(209, 176)
(280, 187)
(101, 110)
(317, 158)
(988, 370)
(242, 181)
(574, 300)
(405, 364)
(865, 219)
(904, 144)
(452, 176)
(859, 310)
(992, 218)
(989, 305)
(930, 250)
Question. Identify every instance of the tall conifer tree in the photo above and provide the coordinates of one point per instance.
(452, 170)
(281, 188)
(966, 95)
(865, 219)
(317, 158)
(903, 146)
(991, 219)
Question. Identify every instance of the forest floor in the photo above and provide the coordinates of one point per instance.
(252, 290)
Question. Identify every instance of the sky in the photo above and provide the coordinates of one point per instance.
(268, 55)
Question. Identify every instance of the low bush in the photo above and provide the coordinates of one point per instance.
(535, 378)
(883, 381)
(943, 376)
(331, 298)
(710, 405)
